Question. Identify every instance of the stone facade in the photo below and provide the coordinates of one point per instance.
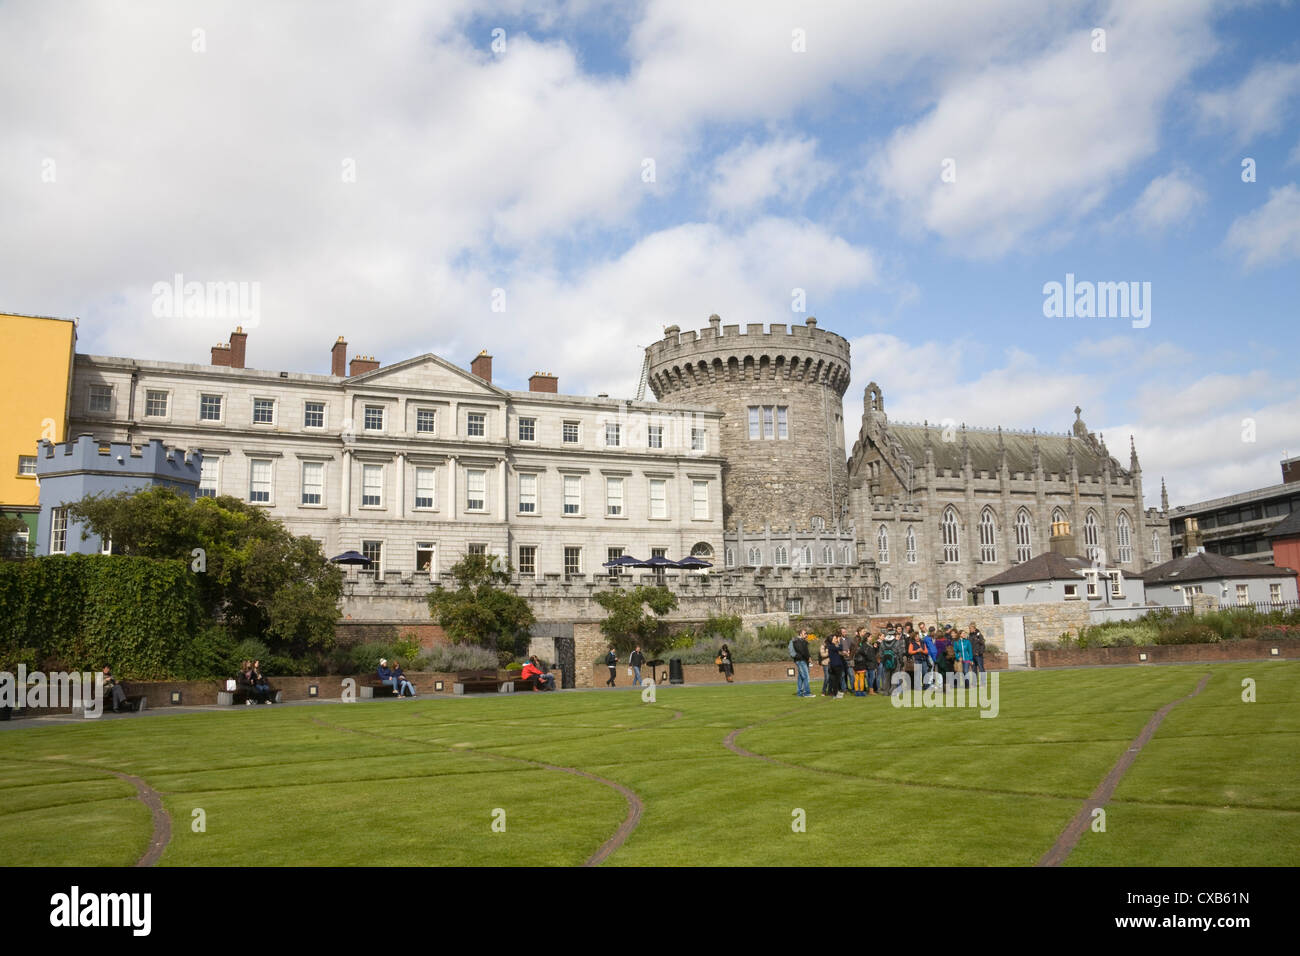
(942, 507)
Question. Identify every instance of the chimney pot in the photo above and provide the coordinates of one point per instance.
(482, 366)
(543, 382)
(339, 358)
(238, 347)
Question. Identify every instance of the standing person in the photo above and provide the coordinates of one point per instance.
(837, 667)
(724, 663)
(802, 686)
(878, 642)
(920, 658)
(611, 661)
(928, 639)
(637, 660)
(847, 650)
(892, 657)
(824, 659)
(945, 657)
(964, 655)
(977, 650)
(864, 660)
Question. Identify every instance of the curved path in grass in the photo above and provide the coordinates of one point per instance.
(635, 805)
(161, 833)
(1069, 837)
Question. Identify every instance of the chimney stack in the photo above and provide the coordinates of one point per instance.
(1192, 537)
(543, 382)
(482, 366)
(362, 364)
(221, 355)
(339, 358)
(238, 346)
(1062, 541)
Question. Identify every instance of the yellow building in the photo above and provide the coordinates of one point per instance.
(36, 354)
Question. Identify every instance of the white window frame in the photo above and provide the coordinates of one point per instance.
(270, 481)
(988, 537)
(571, 427)
(377, 567)
(1243, 594)
(475, 476)
(432, 413)
(306, 412)
(381, 415)
(166, 402)
(319, 467)
(476, 420)
(699, 439)
(221, 406)
(886, 592)
(754, 557)
(843, 605)
(214, 462)
(370, 469)
(780, 556)
(615, 431)
(432, 548)
(914, 591)
(1123, 538)
(90, 400)
(532, 428)
(909, 545)
(954, 592)
(532, 549)
(1024, 536)
(950, 535)
(527, 482)
(882, 544)
(265, 401)
(1091, 536)
(699, 500)
(794, 605)
(570, 550)
(59, 531)
(1275, 593)
(432, 488)
(571, 509)
(27, 466)
(659, 506)
(654, 436)
(614, 498)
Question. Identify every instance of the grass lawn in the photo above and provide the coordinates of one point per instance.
(422, 782)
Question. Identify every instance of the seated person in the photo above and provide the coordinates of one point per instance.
(532, 673)
(386, 675)
(263, 689)
(400, 682)
(247, 684)
(113, 690)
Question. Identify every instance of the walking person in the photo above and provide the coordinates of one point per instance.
(637, 660)
(611, 661)
(799, 647)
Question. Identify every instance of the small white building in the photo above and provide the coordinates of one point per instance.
(1233, 582)
(1060, 575)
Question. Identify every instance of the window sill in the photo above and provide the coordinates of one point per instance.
(321, 507)
(528, 514)
(579, 515)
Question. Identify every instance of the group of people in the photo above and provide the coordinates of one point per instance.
(635, 661)
(536, 676)
(394, 678)
(865, 664)
(253, 683)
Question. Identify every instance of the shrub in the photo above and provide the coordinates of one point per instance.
(725, 627)
(450, 658)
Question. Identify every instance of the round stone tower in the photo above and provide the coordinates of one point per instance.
(781, 392)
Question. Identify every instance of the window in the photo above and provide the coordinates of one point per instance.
(1275, 593)
(886, 592)
(209, 476)
(1155, 546)
(59, 531)
(26, 464)
(847, 553)
(374, 551)
(612, 434)
(818, 523)
(313, 482)
(1058, 516)
(700, 500)
(613, 554)
(1116, 584)
(828, 555)
(1072, 592)
(570, 433)
(1092, 549)
(528, 559)
(425, 554)
(572, 494)
(780, 556)
(373, 420)
(655, 436)
(528, 429)
(572, 561)
(1024, 537)
(914, 592)
(527, 494)
(731, 557)
(475, 489)
(476, 549)
(263, 411)
(1124, 538)
(426, 421)
(755, 557)
(1243, 594)
(882, 544)
(313, 415)
(843, 605)
(259, 481)
(988, 537)
(614, 497)
(768, 421)
(805, 554)
(425, 488)
(782, 428)
(100, 398)
(909, 545)
(658, 498)
(155, 404)
(209, 408)
(476, 424)
(768, 430)
(949, 532)
(753, 421)
(955, 592)
(372, 486)
(699, 440)
(1093, 591)
(794, 605)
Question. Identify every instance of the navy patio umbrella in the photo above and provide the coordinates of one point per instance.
(693, 562)
(657, 562)
(350, 557)
(623, 561)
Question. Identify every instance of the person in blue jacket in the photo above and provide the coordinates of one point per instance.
(386, 675)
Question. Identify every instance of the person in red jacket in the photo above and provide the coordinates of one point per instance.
(532, 673)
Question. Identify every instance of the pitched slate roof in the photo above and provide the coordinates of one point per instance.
(985, 454)
(1208, 566)
(1288, 527)
(1048, 566)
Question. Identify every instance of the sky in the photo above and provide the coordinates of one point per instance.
(557, 182)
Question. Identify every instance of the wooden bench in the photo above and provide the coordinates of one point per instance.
(479, 682)
(376, 689)
(241, 694)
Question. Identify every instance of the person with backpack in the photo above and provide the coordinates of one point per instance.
(864, 660)
(931, 651)
(824, 659)
(611, 661)
(798, 649)
(977, 649)
(891, 652)
(836, 688)
(920, 658)
(945, 658)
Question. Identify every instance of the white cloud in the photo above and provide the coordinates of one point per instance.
(750, 174)
(1039, 142)
(1167, 201)
(1270, 233)
(1256, 105)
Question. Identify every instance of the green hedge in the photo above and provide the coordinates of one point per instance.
(79, 612)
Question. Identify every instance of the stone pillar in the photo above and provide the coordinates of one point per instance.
(451, 487)
(502, 496)
(401, 484)
(347, 481)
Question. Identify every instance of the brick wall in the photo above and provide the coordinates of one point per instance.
(1166, 653)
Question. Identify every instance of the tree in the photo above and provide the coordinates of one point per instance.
(480, 611)
(253, 573)
(628, 624)
(11, 546)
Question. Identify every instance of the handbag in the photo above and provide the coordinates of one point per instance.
(718, 660)
(629, 672)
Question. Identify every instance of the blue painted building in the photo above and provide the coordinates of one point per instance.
(70, 471)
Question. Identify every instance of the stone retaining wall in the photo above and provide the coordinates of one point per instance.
(1166, 653)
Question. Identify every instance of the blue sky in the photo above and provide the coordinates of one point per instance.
(795, 146)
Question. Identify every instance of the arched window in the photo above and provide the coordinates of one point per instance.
(911, 545)
(914, 592)
(847, 553)
(806, 554)
(1124, 538)
(755, 557)
(818, 523)
(955, 591)
(886, 592)
(828, 555)
(1155, 546)
(951, 535)
(1058, 515)
(702, 550)
(781, 557)
(1024, 537)
(1091, 542)
(731, 557)
(988, 537)
(882, 544)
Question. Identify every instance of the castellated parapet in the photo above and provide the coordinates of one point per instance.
(787, 466)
